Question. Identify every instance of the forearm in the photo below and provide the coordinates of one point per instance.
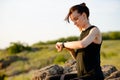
(73, 45)
(72, 52)
(73, 55)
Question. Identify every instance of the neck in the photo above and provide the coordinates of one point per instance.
(85, 26)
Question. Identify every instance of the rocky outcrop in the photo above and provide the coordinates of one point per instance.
(47, 71)
(10, 59)
(110, 71)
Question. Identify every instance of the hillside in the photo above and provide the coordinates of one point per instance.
(24, 63)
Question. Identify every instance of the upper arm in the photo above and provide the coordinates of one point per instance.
(90, 37)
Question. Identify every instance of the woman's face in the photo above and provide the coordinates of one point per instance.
(78, 19)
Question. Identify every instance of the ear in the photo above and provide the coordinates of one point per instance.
(84, 15)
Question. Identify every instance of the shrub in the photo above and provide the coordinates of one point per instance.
(60, 59)
(16, 47)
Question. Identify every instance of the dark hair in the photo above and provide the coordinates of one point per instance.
(80, 8)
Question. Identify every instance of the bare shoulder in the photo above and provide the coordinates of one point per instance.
(95, 30)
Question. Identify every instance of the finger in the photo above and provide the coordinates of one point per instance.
(57, 47)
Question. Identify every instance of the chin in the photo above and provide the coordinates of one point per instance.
(78, 26)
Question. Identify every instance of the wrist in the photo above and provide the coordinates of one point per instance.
(63, 45)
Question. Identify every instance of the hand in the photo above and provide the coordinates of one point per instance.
(59, 46)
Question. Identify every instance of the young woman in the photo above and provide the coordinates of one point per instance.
(85, 51)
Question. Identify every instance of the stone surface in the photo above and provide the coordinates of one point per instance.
(110, 71)
(47, 71)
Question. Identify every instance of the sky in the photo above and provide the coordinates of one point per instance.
(31, 21)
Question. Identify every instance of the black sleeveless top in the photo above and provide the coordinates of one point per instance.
(88, 60)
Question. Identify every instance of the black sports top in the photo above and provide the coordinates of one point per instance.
(88, 60)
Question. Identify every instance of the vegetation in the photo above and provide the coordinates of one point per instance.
(17, 47)
(42, 54)
(110, 53)
(47, 54)
(70, 38)
(113, 35)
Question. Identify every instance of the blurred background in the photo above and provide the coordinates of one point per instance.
(31, 21)
(29, 30)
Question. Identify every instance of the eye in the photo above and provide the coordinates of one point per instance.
(75, 19)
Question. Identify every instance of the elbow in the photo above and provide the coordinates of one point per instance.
(82, 45)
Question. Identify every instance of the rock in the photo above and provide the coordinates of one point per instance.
(47, 71)
(115, 75)
(108, 69)
(10, 59)
(110, 72)
(70, 66)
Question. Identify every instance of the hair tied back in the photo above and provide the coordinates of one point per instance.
(82, 4)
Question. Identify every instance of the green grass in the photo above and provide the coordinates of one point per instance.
(47, 54)
(110, 53)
